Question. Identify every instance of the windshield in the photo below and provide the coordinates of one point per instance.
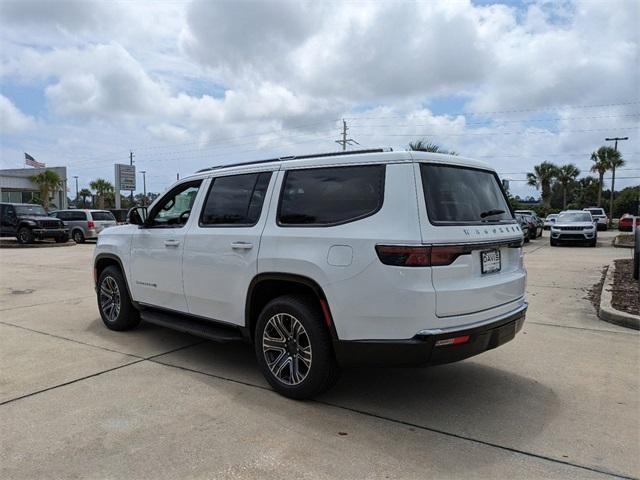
(463, 195)
(574, 217)
(30, 210)
(553, 216)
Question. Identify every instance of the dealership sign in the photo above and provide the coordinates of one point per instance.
(125, 177)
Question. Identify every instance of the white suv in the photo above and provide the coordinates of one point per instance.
(323, 261)
(599, 214)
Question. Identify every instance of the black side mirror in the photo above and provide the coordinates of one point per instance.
(137, 216)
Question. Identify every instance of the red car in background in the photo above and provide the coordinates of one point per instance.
(626, 222)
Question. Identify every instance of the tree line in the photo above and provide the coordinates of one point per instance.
(562, 181)
(49, 181)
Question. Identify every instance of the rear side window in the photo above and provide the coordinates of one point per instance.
(103, 216)
(235, 200)
(456, 195)
(331, 196)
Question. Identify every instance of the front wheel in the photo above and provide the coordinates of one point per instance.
(62, 238)
(294, 348)
(25, 236)
(114, 303)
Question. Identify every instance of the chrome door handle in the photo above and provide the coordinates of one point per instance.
(241, 245)
(171, 243)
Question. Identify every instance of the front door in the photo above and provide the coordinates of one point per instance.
(9, 220)
(221, 251)
(156, 252)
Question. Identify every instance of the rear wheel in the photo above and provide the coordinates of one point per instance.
(78, 236)
(25, 236)
(114, 303)
(294, 348)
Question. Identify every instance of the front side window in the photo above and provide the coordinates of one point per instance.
(235, 200)
(174, 208)
(458, 195)
(331, 196)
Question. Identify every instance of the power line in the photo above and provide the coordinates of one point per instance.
(546, 132)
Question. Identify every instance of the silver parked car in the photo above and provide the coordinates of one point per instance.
(85, 224)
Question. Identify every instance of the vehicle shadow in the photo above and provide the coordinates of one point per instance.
(468, 399)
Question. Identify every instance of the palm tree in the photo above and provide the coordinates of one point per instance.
(48, 181)
(615, 161)
(541, 178)
(425, 146)
(567, 174)
(102, 188)
(83, 194)
(601, 165)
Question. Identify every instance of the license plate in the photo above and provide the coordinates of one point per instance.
(490, 261)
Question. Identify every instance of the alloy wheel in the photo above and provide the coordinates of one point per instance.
(287, 349)
(110, 298)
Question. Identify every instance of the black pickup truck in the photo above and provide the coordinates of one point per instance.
(29, 222)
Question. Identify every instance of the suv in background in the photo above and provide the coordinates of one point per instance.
(29, 222)
(598, 214)
(574, 226)
(85, 224)
(323, 261)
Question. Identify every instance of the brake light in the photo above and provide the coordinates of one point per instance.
(404, 255)
(446, 254)
(90, 224)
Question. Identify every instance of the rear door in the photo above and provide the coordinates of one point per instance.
(221, 249)
(476, 253)
(103, 219)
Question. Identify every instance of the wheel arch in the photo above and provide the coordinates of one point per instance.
(267, 286)
(104, 260)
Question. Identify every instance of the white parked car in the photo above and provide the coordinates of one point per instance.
(323, 261)
(550, 220)
(574, 226)
(599, 214)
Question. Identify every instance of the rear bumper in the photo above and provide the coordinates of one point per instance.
(421, 350)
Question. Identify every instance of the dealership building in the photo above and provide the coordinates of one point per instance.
(16, 186)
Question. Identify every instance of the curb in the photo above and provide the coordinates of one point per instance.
(36, 245)
(619, 245)
(610, 314)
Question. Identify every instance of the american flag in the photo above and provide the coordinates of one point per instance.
(32, 162)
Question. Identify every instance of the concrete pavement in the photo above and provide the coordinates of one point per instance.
(77, 400)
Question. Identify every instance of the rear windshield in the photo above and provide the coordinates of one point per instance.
(103, 216)
(595, 211)
(457, 195)
(574, 217)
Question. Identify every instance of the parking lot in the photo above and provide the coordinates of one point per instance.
(78, 400)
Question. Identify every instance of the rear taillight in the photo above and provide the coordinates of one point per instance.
(420, 256)
(446, 254)
(404, 255)
(91, 225)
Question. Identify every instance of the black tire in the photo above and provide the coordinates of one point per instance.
(322, 371)
(62, 238)
(127, 316)
(25, 236)
(593, 242)
(78, 236)
(552, 242)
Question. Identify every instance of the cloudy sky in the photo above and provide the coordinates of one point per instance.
(186, 85)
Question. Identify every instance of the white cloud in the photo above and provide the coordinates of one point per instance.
(12, 120)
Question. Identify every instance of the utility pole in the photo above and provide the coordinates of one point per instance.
(613, 173)
(76, 177)
(177, 176)
(131, 155)
(144, 188)
(345, 141)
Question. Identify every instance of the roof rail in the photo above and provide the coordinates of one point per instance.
(298, 157)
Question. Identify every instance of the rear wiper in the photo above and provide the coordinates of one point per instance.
(490, 213)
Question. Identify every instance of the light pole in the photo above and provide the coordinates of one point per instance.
(76, 177)
(613, 173)
(144, 188)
